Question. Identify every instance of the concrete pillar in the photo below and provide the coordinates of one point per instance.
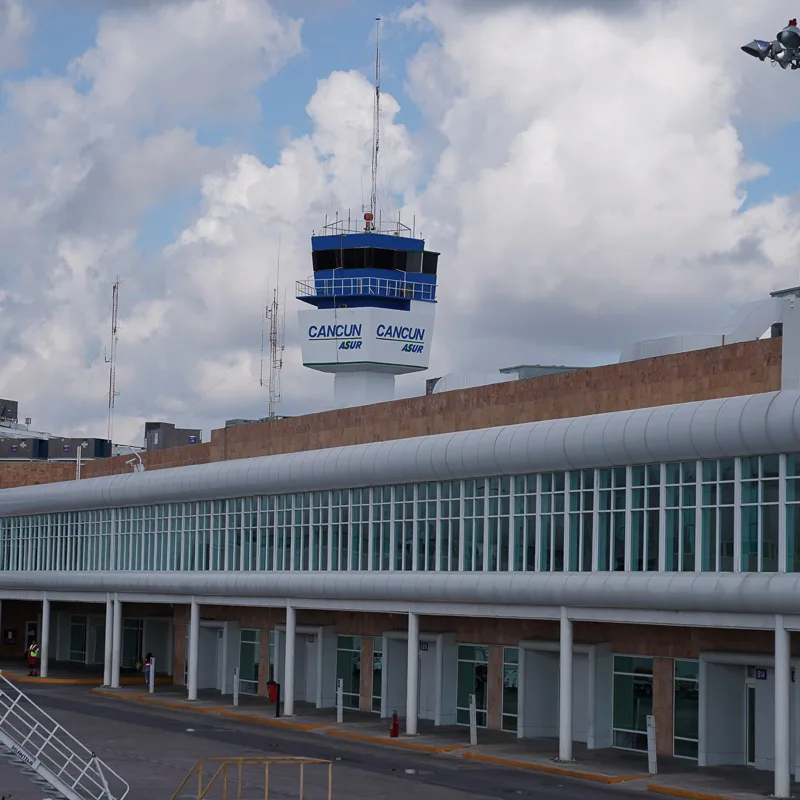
(565, 689)
(702, 715)
(287, 690)
(591, 722)
(44, 645)
(790, 343)
(412, 685)
(109, 643)
(783, 683)
(194, 650)
(494, 688)
(367, 673)
(116, 644)
(663, 704)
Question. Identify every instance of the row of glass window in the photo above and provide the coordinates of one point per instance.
(718, 516)
(632, 692)
(633, 703)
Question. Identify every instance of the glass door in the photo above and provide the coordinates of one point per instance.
(99, 638)
(750, 722)
(377, 673)
(31, 633)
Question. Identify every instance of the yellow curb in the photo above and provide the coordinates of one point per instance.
(687, 793)
(111, 693)
(279, 721)
(396, 742)
(176, 705)
(132, 680)
(61, 681)
(572, 773)
(98, 681)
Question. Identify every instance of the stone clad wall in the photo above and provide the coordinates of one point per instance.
(746, 368)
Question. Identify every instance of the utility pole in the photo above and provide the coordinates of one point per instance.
(78, 460)
(276, 318)
(376, 125)
(111, 360)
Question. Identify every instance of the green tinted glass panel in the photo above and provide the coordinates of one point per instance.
(639, 666)
(633, 702)
(686, 709)
(687, 669)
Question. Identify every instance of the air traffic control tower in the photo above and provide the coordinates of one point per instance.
(373, 294)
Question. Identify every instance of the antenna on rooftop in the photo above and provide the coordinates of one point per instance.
(276, 318)
(111, 360)
(376, 128)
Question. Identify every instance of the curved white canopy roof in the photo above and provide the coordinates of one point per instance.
(735, 426)
(760, 593)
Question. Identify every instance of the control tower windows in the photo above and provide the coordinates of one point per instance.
(430, 263)
(376, 258)
(414, 262)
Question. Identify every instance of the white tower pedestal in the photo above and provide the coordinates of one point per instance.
(362, 388)
(365, 348)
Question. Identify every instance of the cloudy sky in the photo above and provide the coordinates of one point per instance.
(592, 171)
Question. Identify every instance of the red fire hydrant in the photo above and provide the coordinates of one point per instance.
(394, 731)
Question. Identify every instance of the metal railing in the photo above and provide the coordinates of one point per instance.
(373, 287)
(344, 227)
(45, 747)
(210, 773)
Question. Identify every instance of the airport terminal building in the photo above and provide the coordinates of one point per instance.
(579, 550)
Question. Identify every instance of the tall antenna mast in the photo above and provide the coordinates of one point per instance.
(111, 360)
(276, 317)
(376, 125)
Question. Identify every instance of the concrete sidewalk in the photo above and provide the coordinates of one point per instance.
(676, 778)
(68, 676)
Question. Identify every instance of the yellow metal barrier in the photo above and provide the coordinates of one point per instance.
(218, 768)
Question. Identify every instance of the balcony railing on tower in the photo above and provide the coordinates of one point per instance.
(366, 287)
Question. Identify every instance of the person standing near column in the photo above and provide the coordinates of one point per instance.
(147, 665)
(33, 659)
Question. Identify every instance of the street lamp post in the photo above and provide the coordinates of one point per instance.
(78, 460)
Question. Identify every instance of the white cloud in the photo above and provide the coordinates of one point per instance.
(83, 158)
(183, 63)
(16, 26)
(585, 188)
(594, 163)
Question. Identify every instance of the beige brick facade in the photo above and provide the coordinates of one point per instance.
(746, 368)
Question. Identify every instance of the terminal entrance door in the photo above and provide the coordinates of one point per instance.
(31, 633)
(426, 683)
(750, 722)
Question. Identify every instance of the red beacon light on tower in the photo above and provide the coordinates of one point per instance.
(369, 219)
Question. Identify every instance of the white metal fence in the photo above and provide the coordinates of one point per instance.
(45, 747)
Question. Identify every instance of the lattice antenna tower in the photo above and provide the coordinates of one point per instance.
(376, 125)
(111, 359)
(275, 316)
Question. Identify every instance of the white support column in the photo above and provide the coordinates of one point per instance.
(109, 643)
(702, 715)
(116, 645)
(565, 689)
(591, 723)
(194, 650)
(783, 682)
(44, 645)
(412, 685)
(287, 690)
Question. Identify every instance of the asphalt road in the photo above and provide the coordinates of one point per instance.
(153, 749)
